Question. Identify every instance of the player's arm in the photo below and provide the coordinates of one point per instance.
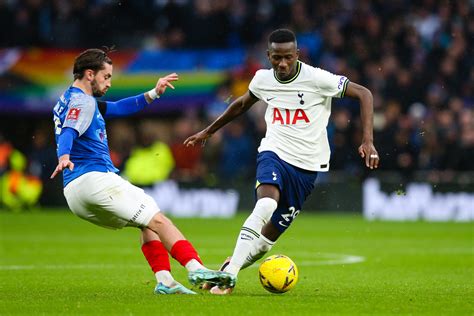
(65, 141)
(136, 103)
(236, 108)
(367, 149)
(77, 121)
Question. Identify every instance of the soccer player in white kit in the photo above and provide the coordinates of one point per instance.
(96, 193)
(295, 147)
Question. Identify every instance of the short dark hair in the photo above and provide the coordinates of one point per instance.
(281, 36)
(93, 58)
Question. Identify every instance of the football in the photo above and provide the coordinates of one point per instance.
(278, 274)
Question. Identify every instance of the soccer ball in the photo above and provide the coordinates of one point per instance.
(278, 274)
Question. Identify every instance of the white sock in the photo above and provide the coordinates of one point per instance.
(194, 265)
(250, 234)
(165, 277)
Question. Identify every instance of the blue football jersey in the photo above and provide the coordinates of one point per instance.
(90, 150)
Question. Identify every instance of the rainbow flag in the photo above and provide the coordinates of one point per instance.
(31, 80)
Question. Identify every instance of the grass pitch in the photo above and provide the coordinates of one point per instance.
(52, 263)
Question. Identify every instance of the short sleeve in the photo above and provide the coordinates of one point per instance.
(254, 86)
(329, 84)
(80, 114)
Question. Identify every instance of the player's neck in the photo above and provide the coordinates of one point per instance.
(286, 77)
(290, 75)
(86, 88)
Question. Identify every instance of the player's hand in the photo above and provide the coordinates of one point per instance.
(165, 82)
(368, 152)
(64, 163)
(200, 137)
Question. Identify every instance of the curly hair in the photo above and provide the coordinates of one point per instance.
(93, 58)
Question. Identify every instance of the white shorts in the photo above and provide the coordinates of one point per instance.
(108, 200)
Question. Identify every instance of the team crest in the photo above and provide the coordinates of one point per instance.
(300, 95)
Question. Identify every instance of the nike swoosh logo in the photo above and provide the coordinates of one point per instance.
(269, 99)
(282, 224)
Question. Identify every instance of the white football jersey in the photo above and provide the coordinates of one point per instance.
(297, 114)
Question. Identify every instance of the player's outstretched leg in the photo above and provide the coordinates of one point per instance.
(158, 259)
(249, 239)
(259, 249)
(250, 245)
(183, 251)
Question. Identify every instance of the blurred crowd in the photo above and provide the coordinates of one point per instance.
(416, 57)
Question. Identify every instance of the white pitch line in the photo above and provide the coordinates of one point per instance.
(331, 259)
(59, 266)
(326, 259)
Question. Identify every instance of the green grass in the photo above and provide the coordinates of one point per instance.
(52, 263)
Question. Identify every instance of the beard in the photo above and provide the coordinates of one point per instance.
(96, 92)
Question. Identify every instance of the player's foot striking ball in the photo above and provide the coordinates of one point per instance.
(204, 276)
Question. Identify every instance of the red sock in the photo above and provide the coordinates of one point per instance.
(183, 251)
(156, 255)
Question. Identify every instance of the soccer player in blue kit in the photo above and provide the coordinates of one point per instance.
(295, 147)
(95, 192)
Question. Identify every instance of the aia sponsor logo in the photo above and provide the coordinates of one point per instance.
(287, 117)
(73, 114)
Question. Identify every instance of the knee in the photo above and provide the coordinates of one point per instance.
(264, 208)
(159, 220)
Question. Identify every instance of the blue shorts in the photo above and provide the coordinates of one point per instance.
(295, 185)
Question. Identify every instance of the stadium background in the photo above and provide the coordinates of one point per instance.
(415, 56)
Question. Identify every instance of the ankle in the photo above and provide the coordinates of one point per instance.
(164, 277)
(194, 265)
(232, 269)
